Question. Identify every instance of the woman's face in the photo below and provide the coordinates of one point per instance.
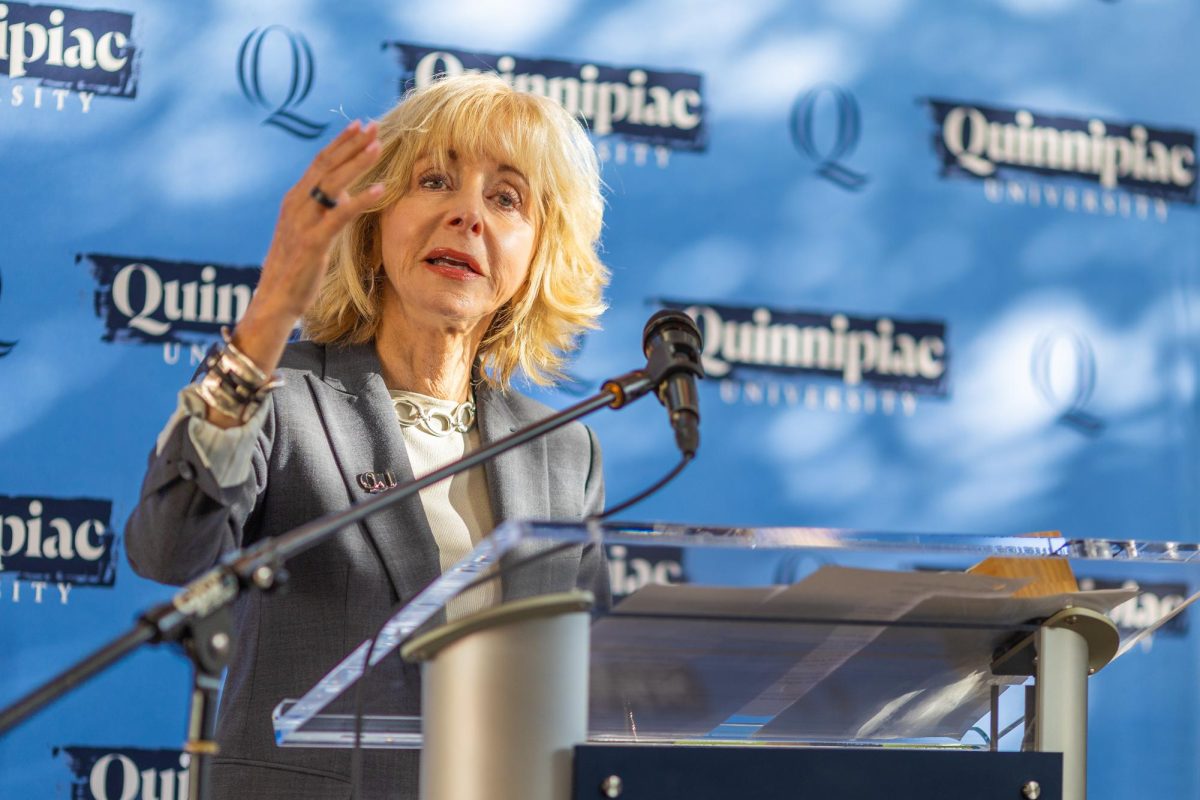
(458, 245)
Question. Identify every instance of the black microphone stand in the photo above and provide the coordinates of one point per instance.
(198, 616)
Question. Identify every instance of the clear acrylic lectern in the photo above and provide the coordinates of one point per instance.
(795, 638)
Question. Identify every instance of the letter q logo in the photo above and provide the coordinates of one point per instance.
(1063, 369)
(828, 148)
(255, 70)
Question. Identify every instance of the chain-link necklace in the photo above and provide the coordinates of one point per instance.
(433, 420)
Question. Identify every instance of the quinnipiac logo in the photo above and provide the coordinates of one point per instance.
(126, 773)
(291, 66)
(49, 545)
(838, 361)
(154, 301)
(1126, 169)
(1153, 602)
(644, 111)
(68, 49)
(630, 568)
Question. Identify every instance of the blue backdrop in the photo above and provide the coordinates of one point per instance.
(944, 255)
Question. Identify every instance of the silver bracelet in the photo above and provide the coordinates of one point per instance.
(233, 384)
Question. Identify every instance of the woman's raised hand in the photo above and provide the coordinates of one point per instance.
(312, 213)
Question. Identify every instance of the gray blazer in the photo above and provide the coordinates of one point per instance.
(332, 421)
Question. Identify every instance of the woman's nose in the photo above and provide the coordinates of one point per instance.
(466, 214)
(468, 221)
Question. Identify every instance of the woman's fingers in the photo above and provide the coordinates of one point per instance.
(357, 153)
(334, 156)
(335, 181)
(350, 207)
(319, 165)
(299, 250)
(335, 152)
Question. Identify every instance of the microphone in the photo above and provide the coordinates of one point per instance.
(672, 344)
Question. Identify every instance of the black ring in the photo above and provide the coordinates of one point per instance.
(322, 198)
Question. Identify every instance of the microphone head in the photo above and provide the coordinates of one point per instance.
(673, 320)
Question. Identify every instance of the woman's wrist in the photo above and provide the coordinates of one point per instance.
(232, 387)
(262, 334)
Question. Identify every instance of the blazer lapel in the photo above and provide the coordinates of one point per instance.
(519, 483)
(360, 421)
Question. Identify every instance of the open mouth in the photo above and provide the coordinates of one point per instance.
(446, 261)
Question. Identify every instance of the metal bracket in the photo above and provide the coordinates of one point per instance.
(1100, 632)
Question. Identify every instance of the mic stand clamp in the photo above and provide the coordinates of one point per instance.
(628, 387)
(200, 621)
(661, 364)
(209, 646)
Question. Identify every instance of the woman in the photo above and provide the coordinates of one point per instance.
(429, 257)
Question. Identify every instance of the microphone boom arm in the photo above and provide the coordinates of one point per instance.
(198, 616)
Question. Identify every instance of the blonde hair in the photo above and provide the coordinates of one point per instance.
(561, 297)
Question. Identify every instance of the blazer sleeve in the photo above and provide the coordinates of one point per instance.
(184, 521)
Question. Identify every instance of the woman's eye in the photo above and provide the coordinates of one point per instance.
(433, 182)
(508, 199)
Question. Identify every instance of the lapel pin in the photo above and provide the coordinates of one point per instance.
(376, 482)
